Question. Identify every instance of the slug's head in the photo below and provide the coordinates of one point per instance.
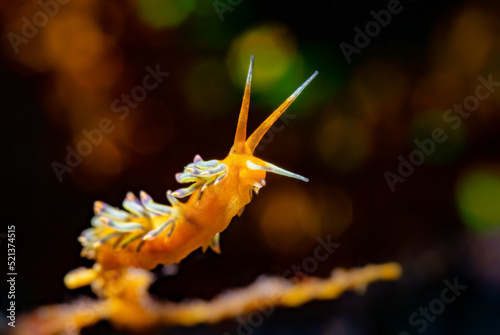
(253, 169)
(253, 172)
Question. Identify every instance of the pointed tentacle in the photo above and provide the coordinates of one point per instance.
(241, 129)
(257, 135)
(274, 169)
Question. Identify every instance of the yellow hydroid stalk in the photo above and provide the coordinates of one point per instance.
(126, 302)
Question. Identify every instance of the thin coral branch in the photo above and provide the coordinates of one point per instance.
(127, 304)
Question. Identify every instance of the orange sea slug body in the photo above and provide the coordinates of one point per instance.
(148, 233)
(198, 221)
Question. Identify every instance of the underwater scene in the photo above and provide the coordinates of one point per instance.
(222, 167)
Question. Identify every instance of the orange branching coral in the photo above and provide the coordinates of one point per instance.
(126, 243)
(128, 305)
(268, 292)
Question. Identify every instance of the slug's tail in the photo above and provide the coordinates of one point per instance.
(247, 146)
(143, 220)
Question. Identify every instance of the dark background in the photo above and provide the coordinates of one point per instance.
(349, 127)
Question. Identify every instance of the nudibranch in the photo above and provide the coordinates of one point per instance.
(147, 233)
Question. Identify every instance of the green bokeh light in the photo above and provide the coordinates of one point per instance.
(164, 13)
(478, 199)
(275, 56)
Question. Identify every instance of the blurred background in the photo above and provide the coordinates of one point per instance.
(72, 81)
